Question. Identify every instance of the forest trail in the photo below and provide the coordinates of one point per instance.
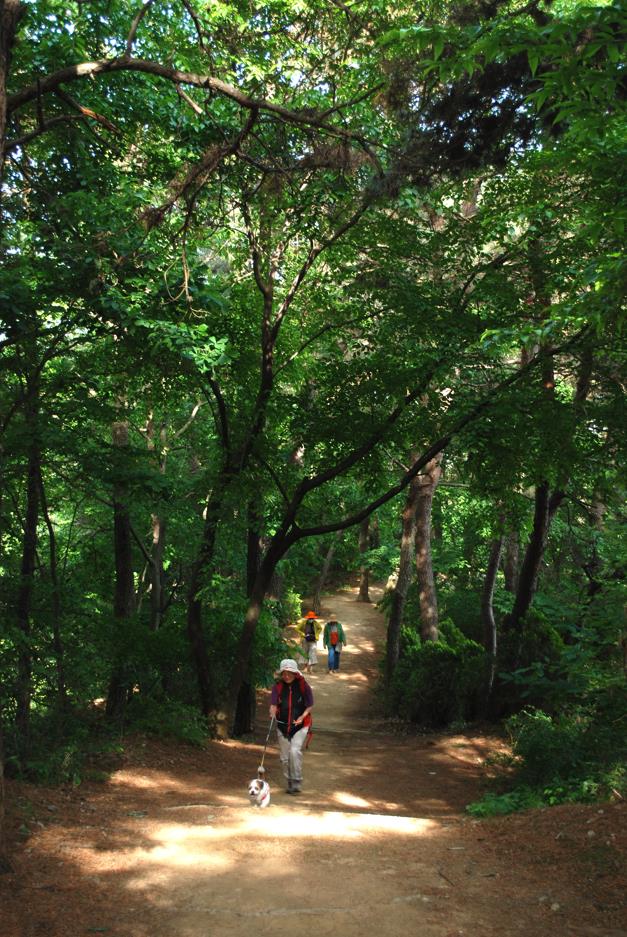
(377, 843)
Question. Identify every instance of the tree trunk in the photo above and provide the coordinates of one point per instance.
(246, 705)
(29, 555)
(427, 483)
(156, 571)
(195, 634)
(405, 568)
(546, 504)
(364, 573)
(533, 556)
(253, 547)
(57, 641)
(510, 561)
(225, 718)
(158, 526)
(10, 13)
(487, 610)
(124, 591)
(5, 865)
(324, 572)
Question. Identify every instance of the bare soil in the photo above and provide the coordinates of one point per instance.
(378, 842)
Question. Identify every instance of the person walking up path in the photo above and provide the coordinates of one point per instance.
(334, 640)
(310, 629)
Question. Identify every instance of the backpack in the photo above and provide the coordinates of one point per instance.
(310, 631)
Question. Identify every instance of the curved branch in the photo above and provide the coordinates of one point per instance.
(135, 24)
(298, 533)
(83, 70)
(275, 478)
(197, 175)
(41, 128)
(360, 452)
(312, 256)
(329, 327)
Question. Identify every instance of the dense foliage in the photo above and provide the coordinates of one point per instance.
(263, 267)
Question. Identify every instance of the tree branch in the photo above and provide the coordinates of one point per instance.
(197, 175)
(84, 70)
(189, 422)
(134, 25)
(299, 533)
(42, 127)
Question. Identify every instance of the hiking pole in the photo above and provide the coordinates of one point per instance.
(261, 770)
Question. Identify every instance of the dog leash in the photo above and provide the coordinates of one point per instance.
(261, 770)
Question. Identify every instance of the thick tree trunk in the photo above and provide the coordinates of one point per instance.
(364, 572)
(427, 483)
(124, 589)
(405, 569)
(324, 572)
(27, 570)
(533, 556)
(225, 718)
(487, 611)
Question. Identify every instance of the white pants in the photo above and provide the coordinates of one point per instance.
(291, 753)
(310, 652)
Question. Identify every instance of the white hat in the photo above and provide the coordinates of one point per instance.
(290, 665)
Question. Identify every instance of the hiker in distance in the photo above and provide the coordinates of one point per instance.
(334, 640)
(310, 629)
(291, 703)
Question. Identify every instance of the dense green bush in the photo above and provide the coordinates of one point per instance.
(65, 748)
(439, 683)
(166, 717)
(287, 609)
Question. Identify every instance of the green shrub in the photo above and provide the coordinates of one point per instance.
(62, 748)
(288, 609)
(576, 756)
(167, 718)
(492, 804)
(439, 683)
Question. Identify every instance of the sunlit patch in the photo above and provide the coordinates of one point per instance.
(184, 852)
(349, 800)
(158, 781)
(289, 826)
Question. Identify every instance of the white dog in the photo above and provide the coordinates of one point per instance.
(259, 793)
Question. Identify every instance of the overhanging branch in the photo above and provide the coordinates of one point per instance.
(48, 83)
(299, 533)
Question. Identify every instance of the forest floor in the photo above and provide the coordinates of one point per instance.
(377, 843)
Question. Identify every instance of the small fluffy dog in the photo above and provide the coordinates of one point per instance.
(259, 792)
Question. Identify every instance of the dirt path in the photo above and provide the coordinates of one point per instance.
(378, 841)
